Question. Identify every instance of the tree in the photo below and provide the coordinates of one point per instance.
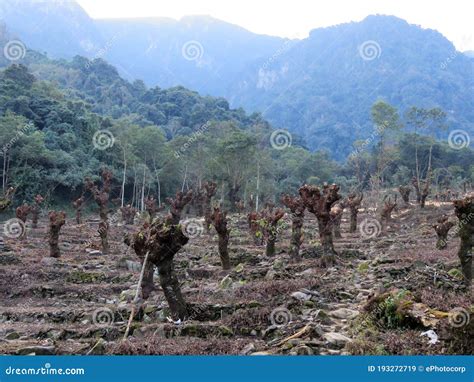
(56, 221)
(219, 221)
(354, 201)
(442, 229)
(35, 210)
(269, 222)
(161, 241)
(464, 210)
(319, 202)
(296, 206)
(386, 120)
(101, 197)
(78, 204)
(428, 120)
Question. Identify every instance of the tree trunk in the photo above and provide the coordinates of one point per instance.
(353, 225)
(295, 243)
(328, 257)
(170, 285)
(224, 251)
(270, 247)
(464, 210)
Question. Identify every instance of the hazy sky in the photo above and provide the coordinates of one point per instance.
(295, 18)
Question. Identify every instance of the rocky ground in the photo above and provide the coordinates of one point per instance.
(80, 303)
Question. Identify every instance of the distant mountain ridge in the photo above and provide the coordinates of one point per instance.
(321, 87)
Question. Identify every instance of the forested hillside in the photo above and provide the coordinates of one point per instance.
(320, 88)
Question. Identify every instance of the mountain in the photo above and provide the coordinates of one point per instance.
(321, 87)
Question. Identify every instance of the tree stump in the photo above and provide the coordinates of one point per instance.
(128, 214)
(442, 229)
(162, 241)
(35, 210)
(210, 189)
(270, 219)
(296, 206)
(77, 204)
(353, 202)
(219, 221)
(56, 221)
(101, 197)
(405, 193)
(320, 203)
(464, 210)
(253, 219)
(22, 213)
(386, 211)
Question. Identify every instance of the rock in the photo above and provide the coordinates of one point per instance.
(250, 348)
(261, 353)
(95, 252)
(226, 282)
(336, 339)
(133, 266)
(300, 296)
(49, 261)
(127, 295)
(12, 336)
(36, 350)
(225, 331)
(270, 275)
(344, 313)
(239, 268)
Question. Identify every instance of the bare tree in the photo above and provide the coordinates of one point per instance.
(35, 210)
(78, 204)
(161, 241)
(385, 211)
(319, 202)
(128, 214)
(296, 206)
(56, 221)
(270, 218)
(464, 210)
(405, 193)
(219, 221)
(354, 201)
(101, 197)
(210, 189)
(442, 229)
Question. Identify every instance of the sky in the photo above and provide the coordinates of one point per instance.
(295, 18)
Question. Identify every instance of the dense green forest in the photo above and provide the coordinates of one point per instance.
(62, 121)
